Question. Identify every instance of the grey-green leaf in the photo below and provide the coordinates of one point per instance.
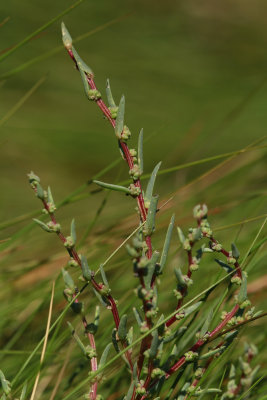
(235, 251)
(179, 277)
(190, 309)
(154, 345)
(110, 186)
(120, 117)
(104, 355)
(42, 225)
(242, 295)
(81, 64)
(49, 196)
(206, 325)
(66, 37)
(39, 191)
(151, 269)
(138, 316)
(151, 183)
(181, 235)
(166, 246)
(68, 280)
(130, 392)
(87, 274)
(114, 340)
(103, 274)
(225, 266)
(140, 151)
(73, 231)
(151, 214)
(122, 330)
(111, 101)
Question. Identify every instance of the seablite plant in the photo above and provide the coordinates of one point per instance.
(166, 357)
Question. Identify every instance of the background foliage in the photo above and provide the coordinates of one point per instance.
(194, 77)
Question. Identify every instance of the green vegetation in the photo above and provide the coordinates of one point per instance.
(194, 78)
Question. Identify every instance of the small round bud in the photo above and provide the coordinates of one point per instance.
(69, 242)
(94, 94)
(135, 172)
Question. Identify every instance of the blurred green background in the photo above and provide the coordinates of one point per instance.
(194, 76)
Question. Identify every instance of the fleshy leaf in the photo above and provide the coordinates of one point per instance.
(179, 277)
(150, 185)
(111, 101)
(73, 231)
(190, 309)
(68, 280)
(206, 325)
(122, 330)
(225, 266)
(154, 345)
(66, 37)
(151, 268)
(181, 235)
(140, 151)
(120, 118)
(104, 356)
(235, 251)
(110, 186)
(166, 246)
(103, 274)
(130, 392)
(39, 191)
(242, 295)
(138, 316)
(81, 64)
(87, 274)
(151, 214)
(42, 225)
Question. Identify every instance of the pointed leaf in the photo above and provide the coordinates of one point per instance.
(151, 268)
(39, 191)
(81, 64)
(138, 316)
(207, 323)
(225, 266)
(42, 225)
(85, 83)
(235, 251)
(130, 392)
(104, 356)
(179, 277)
(154, 345)
(114, 340)
(151, 214)
(87, 274)
(111, 101)
(242, 295)
(211, 353)
(110, 186)
(122, 330)
(103, 274)
(151, 183)
(190, 309)
(166, 246)
(66, 38)
(140, 151)
(49, 196)
(73, 231)
(68, 280)
(130, 336)
(181, 235)
(102, 299)
(120, 118)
